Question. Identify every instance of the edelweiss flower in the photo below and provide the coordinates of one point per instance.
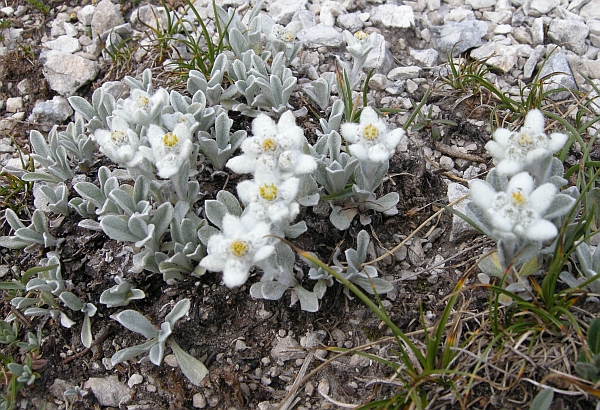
(272, 146)
(142, 108)
(237, 248)
(170, 121)
(519, 209)
(359, 44)
(285, 34)
(276, 198)
(169, 149)
(370, 139)
(517, 151)
(120, 144)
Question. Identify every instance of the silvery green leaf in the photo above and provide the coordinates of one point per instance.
(39, 176)
(320, 288)
(90, 192)
(136, 322)
(71, 301)
(29, 235)
(386, 204)
(131, 352)
(205, 232)
(123, 200)
(561, 206)
(162, 217)
(22, 303)
(191, 367)
(65, 321)
(381, 285)
(362, 242)
(86, 332)
(83, 107)
(13, 220)
(570, 280)
(515, 288)
(268, 290)
(90, 224)
(309, 302)
(491, 265)
(178, 102)
(39, 145)
(180, 309)
(238, 42)
(12, 242)
(341, 218)
(293, 231)
(496, 180)
(116, 228)
(215, 211)
(157, 353)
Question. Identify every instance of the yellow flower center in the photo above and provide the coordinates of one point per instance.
(170, 139)
(370, 132)
(117, 137)
(361, 35)
(287, 37)
(268, 192)
(142, 101)
(524, 139)
(517, 198)
(239, 248)
(269, 144)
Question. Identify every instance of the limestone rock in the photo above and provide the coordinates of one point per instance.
(66, 73)
(147, 17)
(65, 44)
(109, 391)
(480, 4)
(391, 15)
(558, 63)
(320, 36)
(106, 16)
(426, 57)
(460, 228)
(54, 111)
(570, 32)
(503, 57)
(462, 36)
(85, 15)
(282, 11)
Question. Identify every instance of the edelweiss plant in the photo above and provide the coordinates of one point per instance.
(523, 212)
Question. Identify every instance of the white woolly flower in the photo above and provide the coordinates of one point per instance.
(169, 149)
(142, 108)
(519, 209)
(274, 147)
(120, 144)
(276, 198)
(170, 121)
(359, 44)
(239, 246)
(370, 139)
(285, 34)
(517, 151)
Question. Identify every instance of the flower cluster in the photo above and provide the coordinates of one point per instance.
(273, 155)
(521, 150)
(138, 121)
(373, 145)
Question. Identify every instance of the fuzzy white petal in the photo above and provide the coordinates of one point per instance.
(556, 141)
(359, 151)
(522, 181)
(350, 132)
(535, 121)
(213, 263)
(541, 230)
(482, 193)
(501, 136)
(509, 167)
(542, 197)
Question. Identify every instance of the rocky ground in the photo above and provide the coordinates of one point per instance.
(257, 350)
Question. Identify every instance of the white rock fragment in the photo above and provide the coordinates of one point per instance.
(427, 57)
(66, 73)
(501, 56)
(109, 391)
(14, 104)
(393, 16)
(480, 4)
(135, 379)
(64, 44)
(570, 32)
(403, 73)
(85, 15)
(330, 10)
